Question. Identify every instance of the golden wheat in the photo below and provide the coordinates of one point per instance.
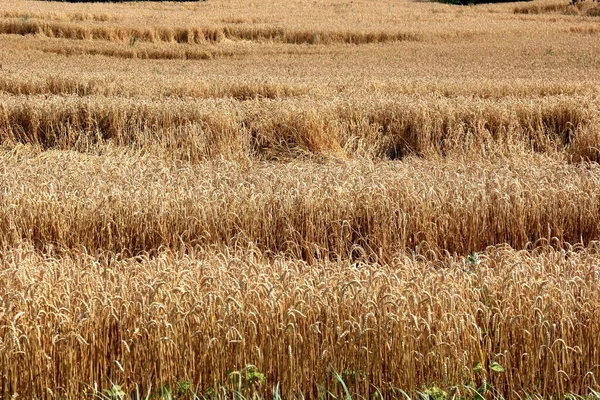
(293, 198)
(391, 128)
(311, 211)
(76, 319)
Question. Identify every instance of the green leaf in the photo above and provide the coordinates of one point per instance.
(339, 378)
(473, 259)
(496, 367)
(256, 376)
(483, 389)
(115, 392)
(477, 367)
(183, 387)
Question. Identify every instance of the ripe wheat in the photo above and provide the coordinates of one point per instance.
(299, 198)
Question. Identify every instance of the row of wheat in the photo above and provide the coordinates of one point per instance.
(68, 30)
(510, 322)
(160, 85)
(129, 203)
(390, 127)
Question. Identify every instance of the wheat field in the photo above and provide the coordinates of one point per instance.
(311, 199)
